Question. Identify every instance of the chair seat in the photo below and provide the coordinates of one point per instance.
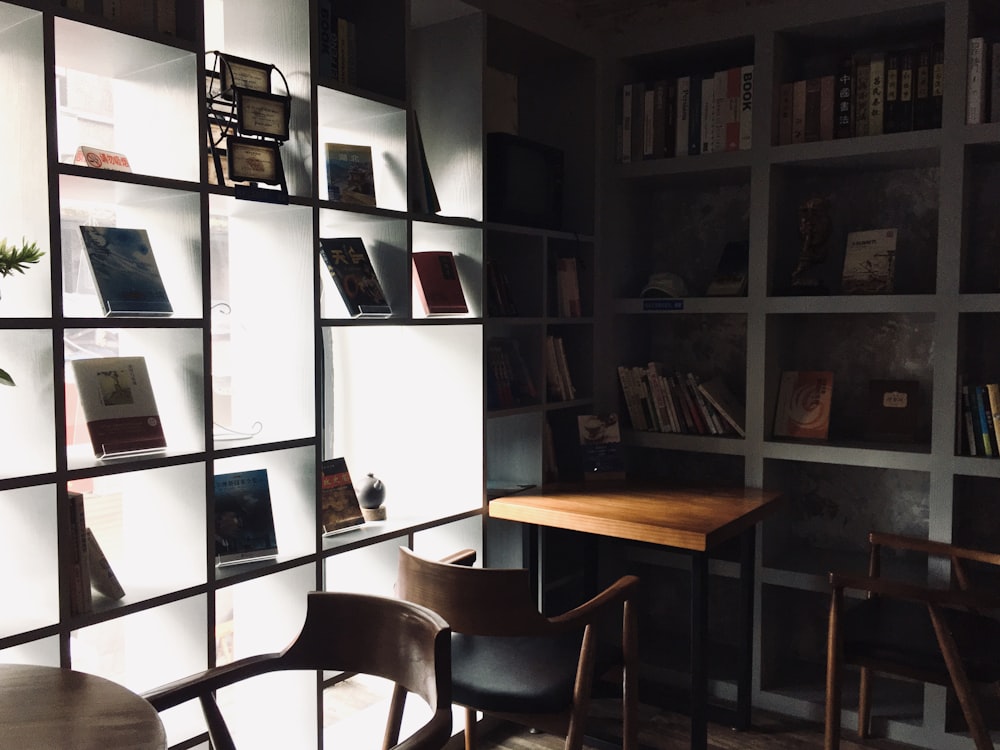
(514, 674)
(900, 631)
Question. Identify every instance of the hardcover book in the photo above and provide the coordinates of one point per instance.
(102, 575)
(80, 595)
(892, 410)
(804, 399)
(350, 176)
(125, 271)
(244, 523)
(354, 276)
(601, 446)
(869, 262)
(438, 283)
(339, 506)
(119, 406)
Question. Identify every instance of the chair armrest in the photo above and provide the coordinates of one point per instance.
(193, 686)
(621, 590)
(461, 557)
(931, 547)
(913, 592)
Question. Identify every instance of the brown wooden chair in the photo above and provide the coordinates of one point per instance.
(383, 636)
(510, 661)
(945, 636)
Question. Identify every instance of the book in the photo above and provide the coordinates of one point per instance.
(707, 113)
(568, 287)
(812, 110)
(890, 123)
(799, 111)
(803, 408)
(438, 283)
(994, 80)
(876, 93)
(354, 276)
(722, 400)
(971, 425)
(893, 410)
(869, 262)
(746, 107)
(937, 83)
(102, 575)
(861, 94)
(339, 508)
(786, 93)
(980, 411)
(907, 91)
(601, 446)
(730, 279)
(244, 522)
(125, 272)
(992, 402)
(683, 117)
(648, 122)
(425, 198)
(844, 101)
(77, 555)
(922, 89)
(350, 176)
(827, 106)
(119, 406)
(976, 89)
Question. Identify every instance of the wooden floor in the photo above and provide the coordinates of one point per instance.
(668, 731)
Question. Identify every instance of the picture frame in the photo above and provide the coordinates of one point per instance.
(263, 114)
(251, 160)
(239, 72)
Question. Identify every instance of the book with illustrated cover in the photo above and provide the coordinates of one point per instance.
(869, 262)
(350, 176)
(244, 523)
(351, 269)
(804, 399)
(339, 506)
(119, 405)
(102, 575)
(730, 278)
(601, 446)
(893, 410)
(125, 271)
(438, 283)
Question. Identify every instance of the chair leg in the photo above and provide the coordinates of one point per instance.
(831, 736)
(630, 679)
(960, 681)
(865, 703)
(582, 690)
(470, 729)
(395, 720)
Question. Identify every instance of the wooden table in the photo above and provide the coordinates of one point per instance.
(692, 519)
(47, 708)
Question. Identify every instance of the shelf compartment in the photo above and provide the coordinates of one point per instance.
(981, 267)
(575, 281)
(31, 553)
(830, 509)
(515, 443)
(466, 244)
(858, 197)
(878, 347)
(24, 194)
(28, 359)
(685, 463)
(515, 265)
(137, 97)
(367, 570)
(978, 365)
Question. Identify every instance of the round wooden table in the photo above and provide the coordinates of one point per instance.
(59, 709)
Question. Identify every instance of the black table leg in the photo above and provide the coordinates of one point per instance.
(699, 650)
(744, 678)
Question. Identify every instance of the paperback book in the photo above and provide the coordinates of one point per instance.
(102, 575)
(244, 523)
(869, 262)
(340, 509)
(892, 410)
(354, 276)
(804, 399)
(119, 406)
(125, 271)
(438, 283)
(601, 446)
(350, 176)
(730, 278)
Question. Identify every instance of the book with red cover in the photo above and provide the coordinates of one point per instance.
(340, 509)
(438, 284)
(804, 405)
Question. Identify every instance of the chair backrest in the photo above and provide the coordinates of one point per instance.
(474, 601)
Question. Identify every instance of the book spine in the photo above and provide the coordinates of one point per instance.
(937, 84)
(984, 422)
(707, 113)
(638, 120)
(799, 112)
(631, 395)
(922, 90)
(711, 424)
(975, 95)
(731, 109)
(786, 93)
(80, 595)
(811, 111)
(970, 424)
(683, 116)
(627, 93)
(694, 116)
(659, 120)
(995, 82)
(993, 402)
(746, 107)
(844, 105)
(907, 89)
(892, 84)
(659, 399)
(862, 70)
(827, 106)
(675, 420)
(670, 118)
(102, 576)
(649, 122)
(876, 94)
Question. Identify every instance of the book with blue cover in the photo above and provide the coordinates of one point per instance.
(125, 271)
(244, 524)
(350, 174)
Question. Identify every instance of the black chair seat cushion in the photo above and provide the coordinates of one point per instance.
(900, 631)
(514, 674)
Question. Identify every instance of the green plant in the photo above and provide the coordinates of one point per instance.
(13, 258)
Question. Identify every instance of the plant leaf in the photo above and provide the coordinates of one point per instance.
(6, 379)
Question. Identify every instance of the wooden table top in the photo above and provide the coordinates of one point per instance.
(59, 709)
(691, 518)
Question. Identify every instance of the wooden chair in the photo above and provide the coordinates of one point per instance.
(945, 636)
(383, 636)
(512, 662)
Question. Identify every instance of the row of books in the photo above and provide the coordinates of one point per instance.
(508, 381)
(88, 567)
(658, 400)
(686, 115)
(983, 82)
(559, 383)
(980, 406)
(870, 93)
(158, 15)
(338, 57)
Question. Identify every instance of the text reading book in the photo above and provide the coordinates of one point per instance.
(244, 523)
(804, 405)
(351, 269)
(125, 271)
(350, 177)
(438, 284)
(339, 506)
(119, 405)
(869, 262)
